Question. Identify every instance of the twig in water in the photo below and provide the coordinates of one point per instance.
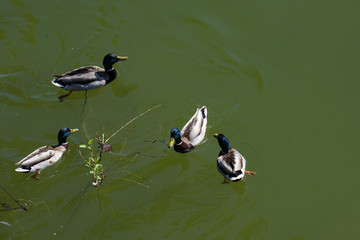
(145, 155)
(133, 181)
(156, 140)
(93, 161)
(122, 127)
(13, 198)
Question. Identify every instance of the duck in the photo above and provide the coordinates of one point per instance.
(191, 134)
(89, 77)
(230, 163)
(45, 156)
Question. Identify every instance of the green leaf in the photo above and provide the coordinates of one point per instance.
(90, 141)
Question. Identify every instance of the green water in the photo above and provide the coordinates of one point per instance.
(280, 80)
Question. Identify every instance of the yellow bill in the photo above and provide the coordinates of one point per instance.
(171, 143)
(74, 130)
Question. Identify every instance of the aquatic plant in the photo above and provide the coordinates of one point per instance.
(93, 161)
(96, 169)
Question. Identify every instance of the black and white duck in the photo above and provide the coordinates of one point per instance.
(89, 77)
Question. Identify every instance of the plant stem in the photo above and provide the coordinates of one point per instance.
(13, 198)
(132, 121)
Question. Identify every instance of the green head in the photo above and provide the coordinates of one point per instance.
(64, 133)
(175, 136)
(110, 59)
(223, 142)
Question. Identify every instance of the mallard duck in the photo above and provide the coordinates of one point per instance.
(230, 163)
(191, 134)
(45, 156)
(89, 77)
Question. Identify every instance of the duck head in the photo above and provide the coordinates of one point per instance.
(223, 142)
(110, 59)
(64, 133)
(175, 136)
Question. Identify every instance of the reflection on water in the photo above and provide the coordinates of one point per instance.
(7, 75)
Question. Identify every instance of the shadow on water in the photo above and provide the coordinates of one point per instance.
(83, 106)
(253, 228)
(238, 187)
(121, 90)
(75, 206)
(155, 167)
(185, 165)
(78, 199)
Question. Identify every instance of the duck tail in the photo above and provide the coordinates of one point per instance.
(23, 170)
(237, 176)
(204, 111)
(56, 83)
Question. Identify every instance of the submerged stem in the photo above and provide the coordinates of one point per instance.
(13, 198)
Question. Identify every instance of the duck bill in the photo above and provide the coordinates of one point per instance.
(74, 130)
(122, 58)
(216, 135)
(171, 143)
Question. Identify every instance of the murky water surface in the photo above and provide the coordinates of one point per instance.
(280, 80)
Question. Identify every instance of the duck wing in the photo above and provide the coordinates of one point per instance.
(42, 154)
(231, 163)
(195, 129)
(41, 158)
(82, 75)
